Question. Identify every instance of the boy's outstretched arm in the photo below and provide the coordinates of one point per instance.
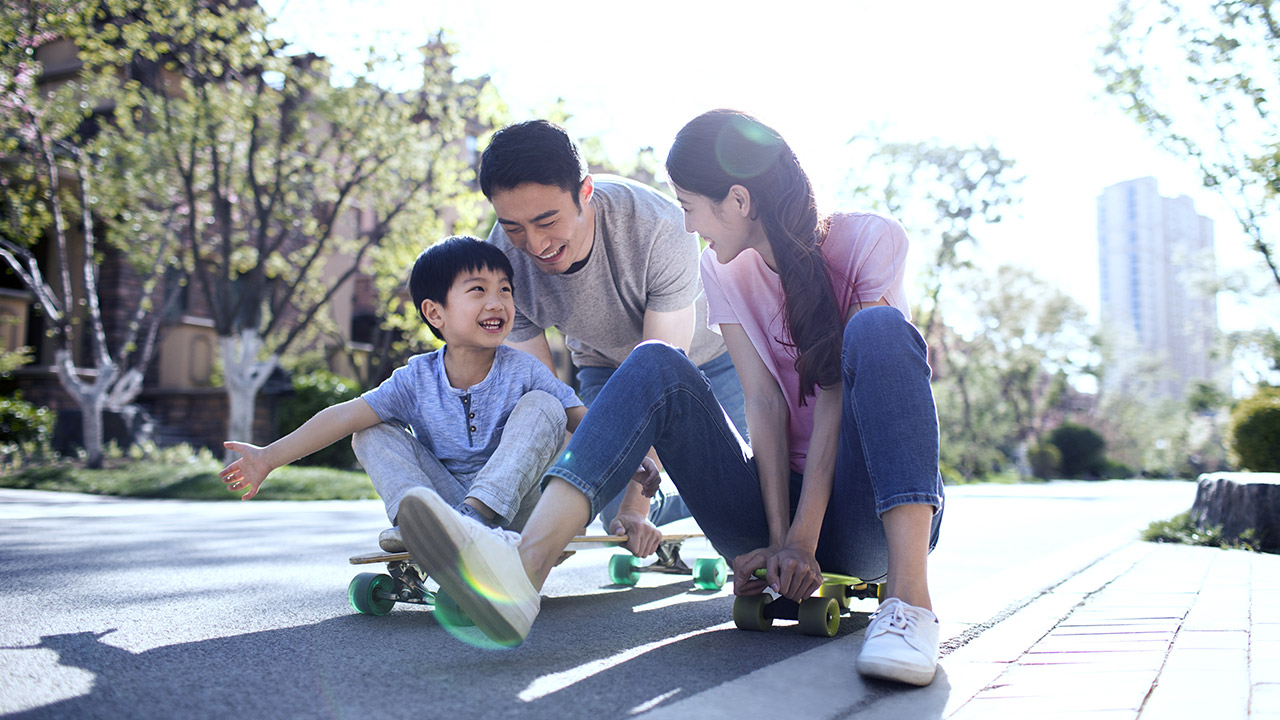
(322, 430)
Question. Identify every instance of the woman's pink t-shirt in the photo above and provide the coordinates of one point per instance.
(868, 250)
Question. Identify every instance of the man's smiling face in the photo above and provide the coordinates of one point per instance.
(545, 223)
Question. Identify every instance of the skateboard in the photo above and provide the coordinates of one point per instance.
(818, 615)
(405, 582)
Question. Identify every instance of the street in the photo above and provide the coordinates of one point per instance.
(156, 609)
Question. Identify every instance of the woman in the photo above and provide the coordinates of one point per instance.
(842, 470)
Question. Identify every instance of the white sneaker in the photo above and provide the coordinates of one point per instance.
(391, 541)
(901, 643)
(479, 567)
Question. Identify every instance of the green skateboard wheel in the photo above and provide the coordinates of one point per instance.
(622, 569)
(748, 613)
(819, 616)
(363, 593)
(710, 573)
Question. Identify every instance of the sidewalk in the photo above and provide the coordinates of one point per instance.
(1147, 633)
(1151, 632)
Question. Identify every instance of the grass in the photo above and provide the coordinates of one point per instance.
(193, 479)
(1182, 529)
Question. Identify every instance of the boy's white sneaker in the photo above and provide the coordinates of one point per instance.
(478, 566)
(901, 643)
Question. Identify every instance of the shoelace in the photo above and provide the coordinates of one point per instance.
(896, 621)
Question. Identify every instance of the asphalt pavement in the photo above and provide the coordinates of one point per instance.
(1050, 607)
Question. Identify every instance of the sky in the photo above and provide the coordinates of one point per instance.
(1015, 74)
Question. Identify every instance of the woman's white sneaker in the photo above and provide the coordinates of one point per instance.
(901, 643)
(478, 566)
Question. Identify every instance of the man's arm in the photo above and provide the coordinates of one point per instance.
(538, 347)
(674, 328)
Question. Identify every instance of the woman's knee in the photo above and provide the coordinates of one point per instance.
(884, 329)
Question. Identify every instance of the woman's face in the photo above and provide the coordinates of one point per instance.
(725, 225)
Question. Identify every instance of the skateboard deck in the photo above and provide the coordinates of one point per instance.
(818, 615)
(405, 581)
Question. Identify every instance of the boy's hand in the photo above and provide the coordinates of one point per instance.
(248, 472)
(647, 477)
(642, 536)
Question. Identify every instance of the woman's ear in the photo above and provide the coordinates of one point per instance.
(739, 198)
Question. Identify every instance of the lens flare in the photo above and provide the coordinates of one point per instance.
(746, 149)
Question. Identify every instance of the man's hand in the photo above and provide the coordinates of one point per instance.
(647, 477)
(248, 472)
(643, 536)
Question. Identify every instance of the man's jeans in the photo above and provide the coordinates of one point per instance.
(727, 388)
(888, 454)
(508, 482)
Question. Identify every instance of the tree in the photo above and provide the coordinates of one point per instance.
(50, 176)
(1202, 81)
(942, 191)
(286, 185)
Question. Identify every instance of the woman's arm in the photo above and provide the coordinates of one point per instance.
(767, 418)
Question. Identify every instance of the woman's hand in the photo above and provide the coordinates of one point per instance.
(792, 573)
(643, 536)
(248, 472)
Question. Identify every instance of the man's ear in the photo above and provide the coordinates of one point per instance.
(433, 312)
(586, 190)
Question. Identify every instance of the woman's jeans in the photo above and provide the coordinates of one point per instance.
(888, 454)
(725, 385)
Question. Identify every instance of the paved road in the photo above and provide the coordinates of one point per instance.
(153, 609)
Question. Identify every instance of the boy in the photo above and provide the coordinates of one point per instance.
(485, 419)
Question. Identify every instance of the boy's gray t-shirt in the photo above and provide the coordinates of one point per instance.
(641, 258)
(461, 428)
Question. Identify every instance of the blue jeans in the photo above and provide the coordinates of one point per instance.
(888, 454)
(727, 388)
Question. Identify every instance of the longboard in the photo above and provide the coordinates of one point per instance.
(405, 581)
(818, 615)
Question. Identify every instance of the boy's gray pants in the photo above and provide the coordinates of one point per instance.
(509, 482)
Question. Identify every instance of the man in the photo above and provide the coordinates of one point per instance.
(606, 261)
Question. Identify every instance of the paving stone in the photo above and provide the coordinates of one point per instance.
(1112, 642)
(1265, 698)
(1149, 660)
(1197, 693)
(1212, 640)
(1208, 659)
(1040, 709)
(1095, 689)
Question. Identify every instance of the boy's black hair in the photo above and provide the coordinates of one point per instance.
(534, 151)
(439, 265)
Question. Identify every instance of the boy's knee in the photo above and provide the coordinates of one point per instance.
(544, 405)
(370, 438)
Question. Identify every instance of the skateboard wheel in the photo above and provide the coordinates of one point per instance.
(622, 569)
(880, 593)
(819, 616)
(710, 573)
(363, 595)
(748, 613)
(448, 613)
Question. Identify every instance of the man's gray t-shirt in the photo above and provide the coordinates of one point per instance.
(461, 428)
(641, 258)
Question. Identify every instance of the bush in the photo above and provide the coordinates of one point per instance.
(1082, 449)
(1254, 433)
(21, 422)
(1045, 460)
(312, 393)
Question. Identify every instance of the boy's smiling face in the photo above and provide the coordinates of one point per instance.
(477, 311)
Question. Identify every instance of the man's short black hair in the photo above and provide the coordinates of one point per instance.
(439, 265)
(534, 151)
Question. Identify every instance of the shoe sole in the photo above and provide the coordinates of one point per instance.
(900, 672)
(438, 553)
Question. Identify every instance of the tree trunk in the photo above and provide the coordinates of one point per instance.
(245, 376)
(91, 399)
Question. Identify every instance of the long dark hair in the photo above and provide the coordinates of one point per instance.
(723, 148)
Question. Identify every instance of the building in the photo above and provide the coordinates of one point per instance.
(1154, 256)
